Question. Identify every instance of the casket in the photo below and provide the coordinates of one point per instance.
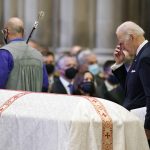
(140, 113)
(41, 121)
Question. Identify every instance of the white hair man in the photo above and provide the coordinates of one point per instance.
(136, 81)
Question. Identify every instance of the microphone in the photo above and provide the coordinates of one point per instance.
(41, 14)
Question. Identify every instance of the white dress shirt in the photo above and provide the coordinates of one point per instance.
(65, 84)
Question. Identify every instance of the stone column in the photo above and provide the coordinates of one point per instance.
(92, 23)
(66, 22)
(84, 22)
(109, 16)
(55, 24)
(145, 19)
(133, 10)
(9, 9)
(44, 30)
(30, 16)
(21, 8)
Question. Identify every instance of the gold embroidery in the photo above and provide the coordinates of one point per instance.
(107, 124)
(11, 100)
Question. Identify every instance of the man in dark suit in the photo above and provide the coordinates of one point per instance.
(110, 88)
(67, 67)
(136, 81)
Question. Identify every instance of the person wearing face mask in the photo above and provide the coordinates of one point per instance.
(67, 67)
(49, 60)
(110, 89)
(86, 85)
(87, 61)
(95, 69)
(21, 66)
(93, 66)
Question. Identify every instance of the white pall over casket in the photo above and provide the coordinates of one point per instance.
(37, 121)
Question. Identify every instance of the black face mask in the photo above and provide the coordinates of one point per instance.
(87, 87)
(50, 68)
(70, 73)
(5, 35)
(112, 79)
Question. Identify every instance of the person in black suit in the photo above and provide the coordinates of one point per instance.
(136, 81)
(67, 67)
(110, 88)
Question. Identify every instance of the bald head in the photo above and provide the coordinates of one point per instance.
(15, 26)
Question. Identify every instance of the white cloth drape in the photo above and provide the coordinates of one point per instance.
(140, 113)
(38, 121)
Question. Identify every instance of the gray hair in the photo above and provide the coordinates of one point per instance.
(81, 57)
(61, 61)
(130, 27)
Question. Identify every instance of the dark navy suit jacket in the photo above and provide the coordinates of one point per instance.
(136, 82)
(58, 87)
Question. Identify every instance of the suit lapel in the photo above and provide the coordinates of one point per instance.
(61, 87)
(135, 61)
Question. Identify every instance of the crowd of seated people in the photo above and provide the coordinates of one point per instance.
(79, 73)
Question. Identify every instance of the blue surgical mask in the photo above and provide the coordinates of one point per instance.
(94, 69)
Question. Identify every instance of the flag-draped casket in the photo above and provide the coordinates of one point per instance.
(41, 121)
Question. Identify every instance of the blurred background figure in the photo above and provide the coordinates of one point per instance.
(87, 61)
(86, 86)
(110, 89)
(67, 67)
(94, 68)
(38, 46)
(75, 50)
(49, 60)
(82, 60)
(93, 65)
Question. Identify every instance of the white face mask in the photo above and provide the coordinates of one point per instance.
(94, 69)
